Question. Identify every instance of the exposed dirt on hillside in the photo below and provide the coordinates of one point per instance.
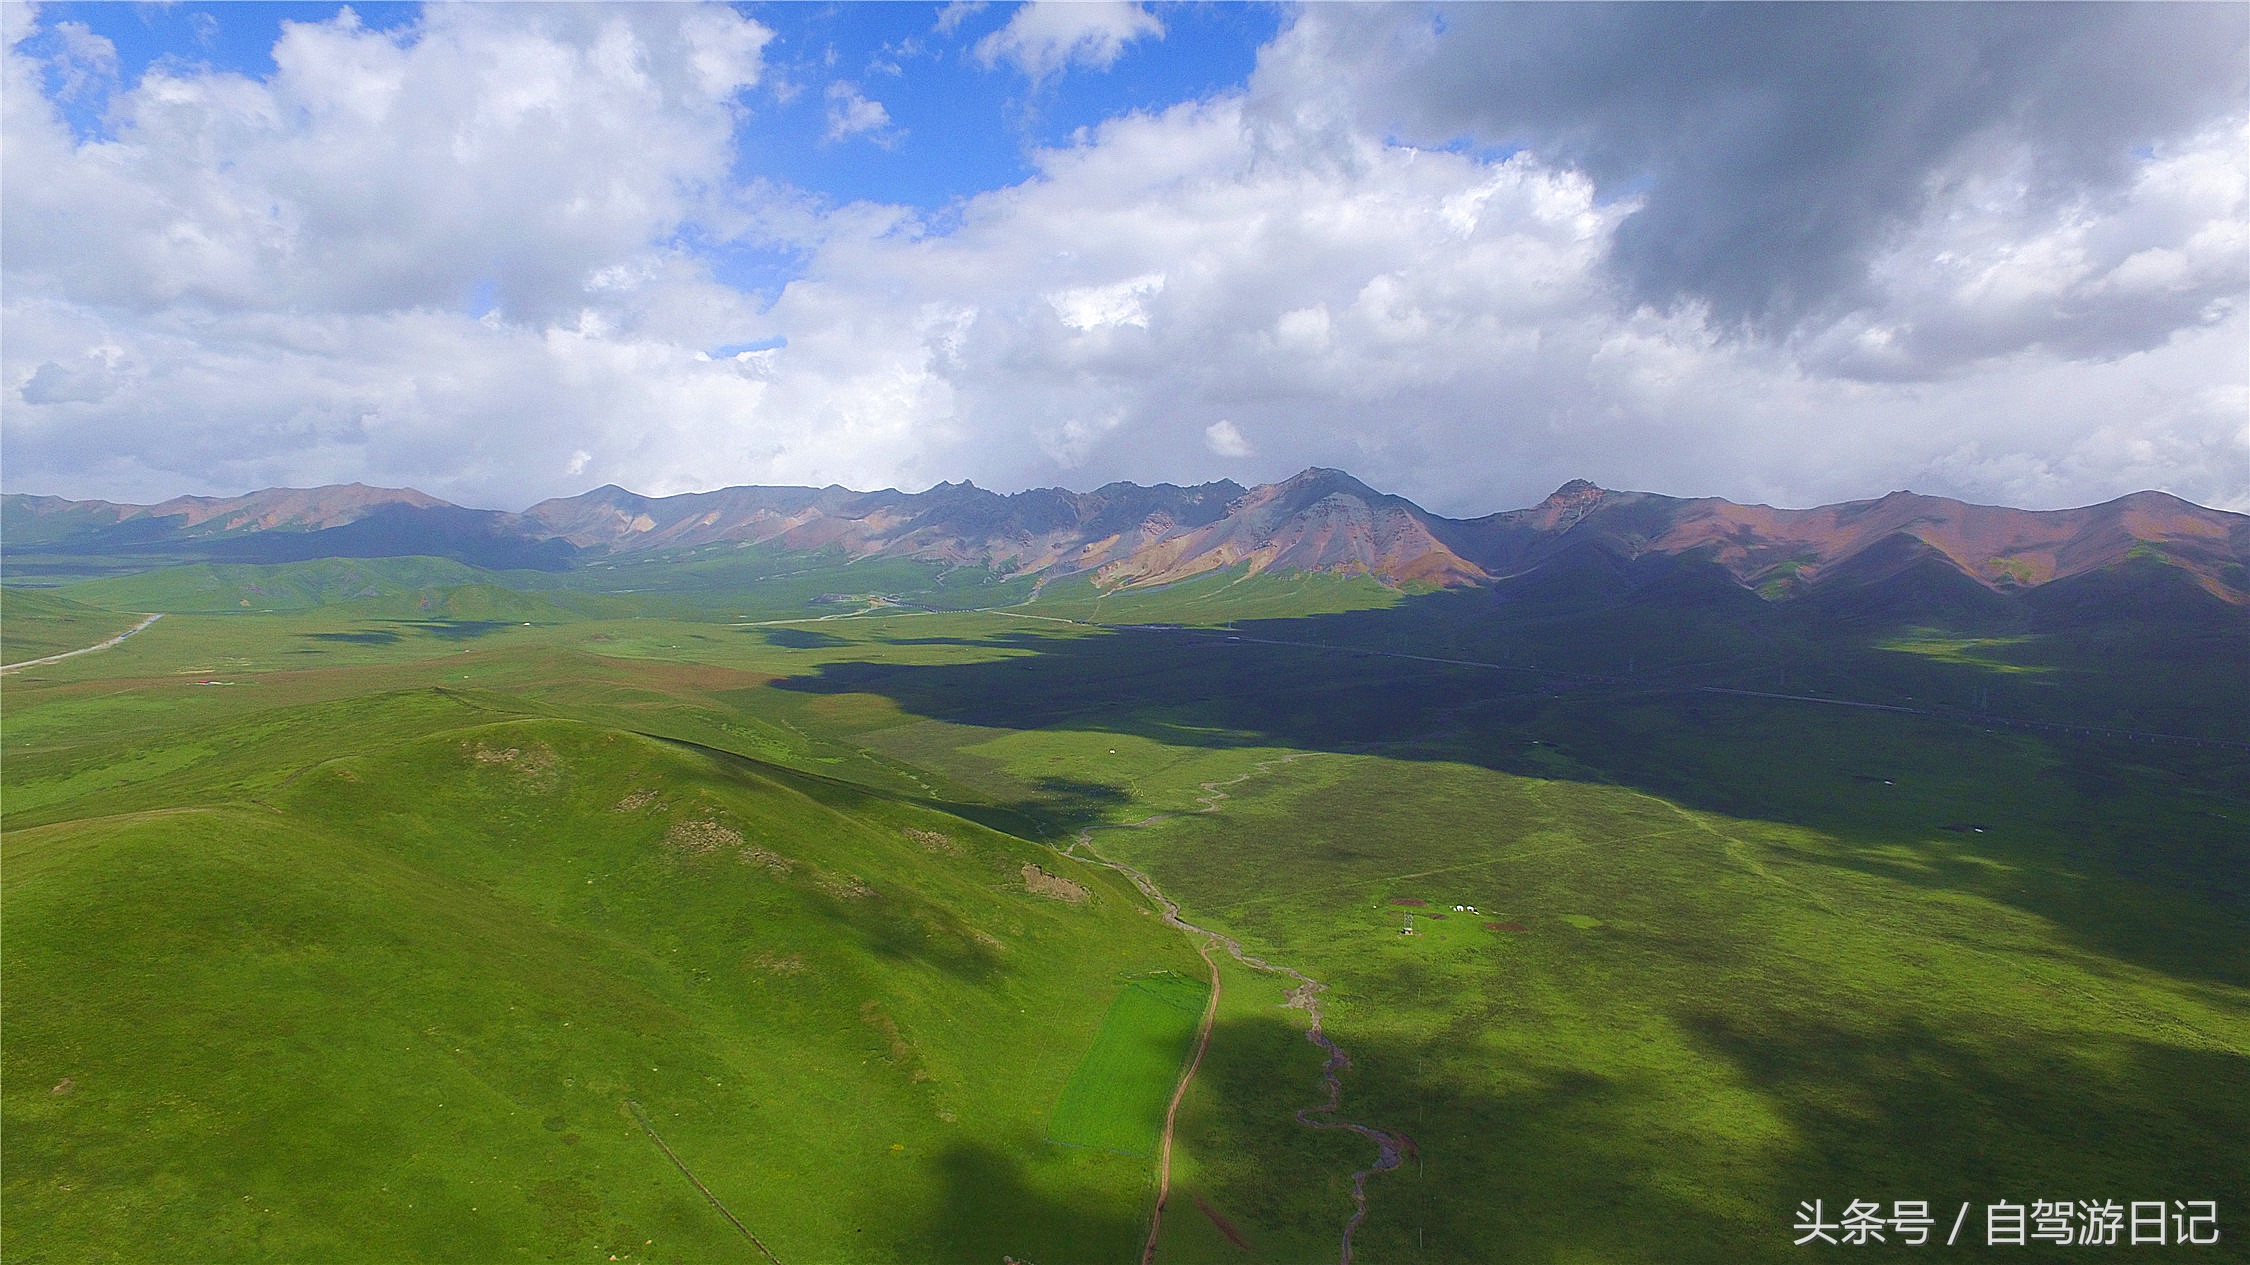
(537, 762)
(934, 841)
(1054, 886)
(700, 838)
(845, 886)
(767, 858)
(902, 1051)
(779, 964)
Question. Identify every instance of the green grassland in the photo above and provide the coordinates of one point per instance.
(1116, 1098)
(350, 930)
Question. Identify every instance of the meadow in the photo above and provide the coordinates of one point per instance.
(359, 928)
(1116, 1097)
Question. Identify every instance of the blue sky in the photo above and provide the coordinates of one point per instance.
(1791, 254)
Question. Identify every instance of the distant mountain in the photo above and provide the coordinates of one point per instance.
(1901, 548)
(349, 520)
(1787, 553)
(1048, 529)
(275, 509)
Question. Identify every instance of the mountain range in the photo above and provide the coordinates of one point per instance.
(1124, 534)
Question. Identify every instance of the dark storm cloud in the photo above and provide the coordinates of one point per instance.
(1778, 147)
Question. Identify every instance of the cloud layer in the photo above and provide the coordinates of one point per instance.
(1990, 254)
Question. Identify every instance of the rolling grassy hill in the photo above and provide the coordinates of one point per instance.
(376, 979)
(35, 624)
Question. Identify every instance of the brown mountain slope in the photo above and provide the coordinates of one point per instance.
(1321, 520)
(1788, 551)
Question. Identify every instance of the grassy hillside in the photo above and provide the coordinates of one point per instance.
(35, 623)
(380, 978)
(294, 586)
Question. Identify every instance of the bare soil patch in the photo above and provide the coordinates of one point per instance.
(934, 841)
(845, 886)
(700, 838)
(767, 858)
(783, 964)
(1506, 926)
(1040, 883)
(637, 800)
(536, 761)
(902, 1051)
(1408, 900)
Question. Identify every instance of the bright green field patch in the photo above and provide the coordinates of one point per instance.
(1115, 1100)
(1975, 652)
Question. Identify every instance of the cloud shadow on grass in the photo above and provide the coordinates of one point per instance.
(1568, 1163)
(1558, 707)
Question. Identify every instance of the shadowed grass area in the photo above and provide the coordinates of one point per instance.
(1701, 1021)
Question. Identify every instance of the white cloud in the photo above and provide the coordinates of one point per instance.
(527, 147)
(1437, 323)
(1225, 439)
(953, 15)
(286, 267)
(1045, 37)
(1088, 308)
(1991, 271)
(84, 62)
(850, 113)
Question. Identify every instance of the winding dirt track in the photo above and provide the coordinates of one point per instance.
(1172, 1112)
(1391, 1149)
